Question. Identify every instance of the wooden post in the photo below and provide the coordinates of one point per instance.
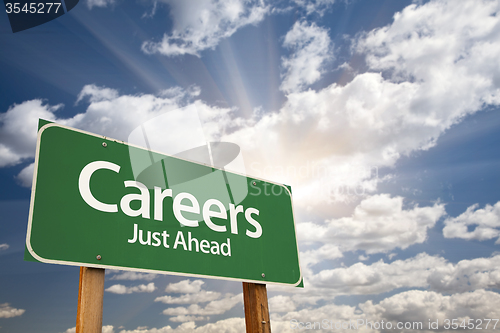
(256, 308)
(90, 296)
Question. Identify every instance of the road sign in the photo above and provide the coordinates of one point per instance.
(88, 208)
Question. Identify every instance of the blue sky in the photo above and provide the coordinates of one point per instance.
(381, 115)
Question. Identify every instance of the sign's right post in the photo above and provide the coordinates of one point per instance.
(256, 308)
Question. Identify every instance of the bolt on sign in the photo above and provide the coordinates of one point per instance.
(89, 208)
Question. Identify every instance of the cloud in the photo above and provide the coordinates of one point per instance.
(427, 44)
(186, 327)
(315, 6)
(378, 277)
(97, 94)
(230, 325)
(183, 318)
(121, 289)
(311, 49)
(185, 287)
(422, 271)
(335, 313)
(378, 224)
(434, 65)
(281, 303)
(192, 295)
(132, 276)
(117, 115)
(420, 306)
(105, 329)
(6, 311)
(198, 297)
(18, 130)
(25, 177)
(216, 307)
(414, 308)
(364, 258)
(486, 221)
(310, 258)
(99, 3)
(4, 246)
(108, 113)
(466, 275)
(200, 25)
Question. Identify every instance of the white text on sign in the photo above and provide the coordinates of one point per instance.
(159, 195)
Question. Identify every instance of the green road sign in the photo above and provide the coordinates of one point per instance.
(100, 202)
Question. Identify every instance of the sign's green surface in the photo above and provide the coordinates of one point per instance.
(99, 202)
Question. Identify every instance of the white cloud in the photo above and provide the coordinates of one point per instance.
(18, 130)
(281, 303)
(108, 114)
(466, 275)
(105, 329)
(200, 25)
(192, 295)
(311, 49)
(116, 116)
(376, 278)
(132, 276)
(25, 177)
(183, 318)
(121, 289)
(230, 325)
(486, 221)
(99, 3)
(284, 323)
(6, 311)
(310, 258)
(420, 306)
(186, 327)
(339, 135)
(315, 6)
(408, 307)
(185, 287)
(378, 224)
(4, 246)
(451, 48)
(435, 64)
(421, 271)
(97, 94)
(216, 307)
(198, 297)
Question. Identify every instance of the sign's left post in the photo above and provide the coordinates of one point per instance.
(90, 299)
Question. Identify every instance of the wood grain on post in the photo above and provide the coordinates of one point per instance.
(256, 308)
(90, 296)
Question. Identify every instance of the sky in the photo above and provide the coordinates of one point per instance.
(381, 115)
